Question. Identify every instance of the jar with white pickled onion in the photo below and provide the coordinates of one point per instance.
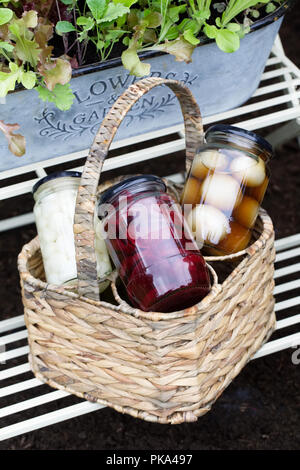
(54, 209)
(225, 188)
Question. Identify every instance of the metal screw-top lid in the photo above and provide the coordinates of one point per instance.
(238, 131)
(52, 176)
(129, 183)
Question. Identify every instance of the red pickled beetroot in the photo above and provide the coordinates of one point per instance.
(173, 284)
(158, 261)
(129, 265)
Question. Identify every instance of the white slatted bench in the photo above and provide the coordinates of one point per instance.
(13, 360)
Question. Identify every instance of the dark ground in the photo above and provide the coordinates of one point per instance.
(259, 410)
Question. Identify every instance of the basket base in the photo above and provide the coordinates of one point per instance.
(57, 380)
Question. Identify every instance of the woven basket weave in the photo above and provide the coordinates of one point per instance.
(160, 367)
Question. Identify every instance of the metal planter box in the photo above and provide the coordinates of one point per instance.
(219, 82)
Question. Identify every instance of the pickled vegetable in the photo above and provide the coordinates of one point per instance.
(249, 171)
(191, 193)
(221, 191)
(214, 160)
(246, 212)
(208, 224)
(54, 216)
(237, 240)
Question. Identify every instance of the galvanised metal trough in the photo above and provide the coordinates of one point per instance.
(219, 82)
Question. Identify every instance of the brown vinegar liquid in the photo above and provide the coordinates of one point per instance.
(224, 190)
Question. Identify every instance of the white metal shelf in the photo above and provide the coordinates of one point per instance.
(274, 103)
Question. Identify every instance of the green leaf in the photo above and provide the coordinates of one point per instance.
(114, 34)
(180, 48)
(8, 79)
(202, 15)
(28, 79)
(8, 82)
(97, 8)
(187, 23)
(62, 96)
(100, 44)
(64, 27)
(173, 12)
(227, 41)
(121, 21)
(82, 20)
(126, 3)
(14, 29)
(82, 35)
(255, 14)
(113, 12)
(244, 30)
(210, 31)
(131, 62)
(45, 94)
(234, 27)
(270, 7)
(189, 36)
(30, 19)
(149, 36)
(6, 15)
(173, 33)
(6, 46)
(14, 68)
(27, 51)
(132, 19)
(153, 19)
(31, 46)
(86, 21)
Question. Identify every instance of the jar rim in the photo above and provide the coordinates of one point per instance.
(112, 191)
(238, 131)
(52, 176)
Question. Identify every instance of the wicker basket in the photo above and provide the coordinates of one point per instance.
(160, 367)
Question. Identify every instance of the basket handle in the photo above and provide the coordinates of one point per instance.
(86, 196)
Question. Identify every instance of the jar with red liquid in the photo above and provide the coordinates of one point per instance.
(151, 246)
(225, 188)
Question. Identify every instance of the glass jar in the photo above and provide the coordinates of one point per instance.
(54, 209)
(225, 188)
(151, 246)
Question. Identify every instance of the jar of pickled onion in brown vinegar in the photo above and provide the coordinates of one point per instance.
(225, 188)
